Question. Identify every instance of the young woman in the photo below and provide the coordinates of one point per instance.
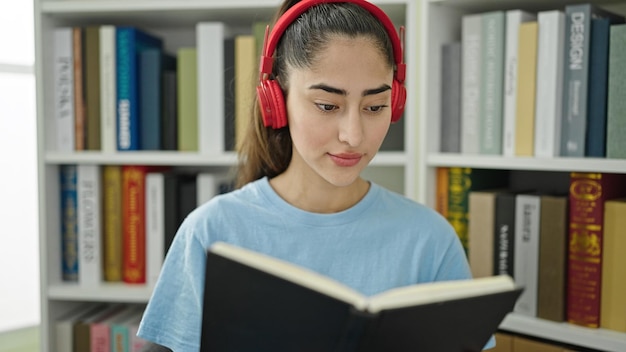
(326, 103)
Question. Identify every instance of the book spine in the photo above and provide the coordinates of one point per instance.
(107, 89)
(552, 258)
(119, 338)
(211, 112)
(481, 232)
(127, 133)
(458, 202)
(577, 39)
(169, 113)
(69, 222)
(527, 213)
(133, 216)
(187, 99)
(155, 232)
(89, 224)
(513, 20)
(150, 68)
(441, 196)
(112, 218)
(100, 337)
(549, 90)
(492, 80)
(64, 89)
(613, 296)
(245, 81)
(504, 246)
(526, 89)
(588, 192)
(92, 88)
(79, 88)
(616, 104)
(471, 82)
(450, 140)
(595, 145)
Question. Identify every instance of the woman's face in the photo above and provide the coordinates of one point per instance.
(339, 111)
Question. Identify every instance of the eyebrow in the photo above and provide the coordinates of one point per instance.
(339, 91)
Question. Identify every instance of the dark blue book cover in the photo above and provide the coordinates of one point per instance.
(69, 222)
(130, 41)
(169, 106)
(595, 145)
(150, 69)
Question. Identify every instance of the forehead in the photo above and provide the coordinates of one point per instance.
(341, 52)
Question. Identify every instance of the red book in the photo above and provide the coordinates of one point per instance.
(133, 223)
(587, 194)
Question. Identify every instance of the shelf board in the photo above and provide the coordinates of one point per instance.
(527, 163)
(174, 158)
(105, 292)
(602, 339)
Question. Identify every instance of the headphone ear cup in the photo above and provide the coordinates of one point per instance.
(272, 104)
(398, 99)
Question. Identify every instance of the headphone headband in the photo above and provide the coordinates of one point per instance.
(271, 41)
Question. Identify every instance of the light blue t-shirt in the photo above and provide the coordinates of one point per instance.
(382, 242)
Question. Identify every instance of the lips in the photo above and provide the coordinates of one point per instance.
(346, 159)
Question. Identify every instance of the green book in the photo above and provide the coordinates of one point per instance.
(616, 104)
(187, 99)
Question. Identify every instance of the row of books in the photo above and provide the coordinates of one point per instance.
(118, 221)
(118, 89)
(543, 84)
(565, 249)
(99, 328)
(507, 342)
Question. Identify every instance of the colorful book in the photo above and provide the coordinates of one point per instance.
(108, 86)
(461, 181)
(245, 82)
(513, 20)
(613, 288)
(150, 98)
(130, 41)
(552, 258)
(526, 258)
(68, 178)
(526, 89)
(187, 102)
(492, 83)
(616, 104)
(92, 88)
(80, 112)
(88, 190)
(133, 223)
(64, 89)
(576, 76)
(549, 83)
(450, 128)
(472, 43)
(112, 222)
(588, 193)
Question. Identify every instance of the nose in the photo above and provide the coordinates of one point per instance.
(351, 129)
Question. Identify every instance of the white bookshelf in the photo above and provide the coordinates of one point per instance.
(175, 21)
(441, 23)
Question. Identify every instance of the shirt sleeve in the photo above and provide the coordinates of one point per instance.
(173, 316)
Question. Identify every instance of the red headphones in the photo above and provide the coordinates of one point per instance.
(270, 95)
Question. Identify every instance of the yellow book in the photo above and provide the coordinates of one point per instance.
(112, 224)
(187, 99)
(613, 287)
(526, 86)
(245, 83)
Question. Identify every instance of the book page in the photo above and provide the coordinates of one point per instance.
(291, 272)
(438, 291)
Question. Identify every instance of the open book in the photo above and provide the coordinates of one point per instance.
(253, 302)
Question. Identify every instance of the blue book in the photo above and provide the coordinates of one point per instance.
(69, 222)
(595, 145)
(150, 69)
(130, 41)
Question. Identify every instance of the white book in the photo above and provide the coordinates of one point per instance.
(211, 110)
(64, 89)
(526, 251)
(513, 20)
(155, 226)
(209, 184)
(108, 102)
(471, 43)
(549, 93)
(88, 191)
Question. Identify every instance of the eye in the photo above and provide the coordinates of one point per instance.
(326, 107)
(376, 108)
